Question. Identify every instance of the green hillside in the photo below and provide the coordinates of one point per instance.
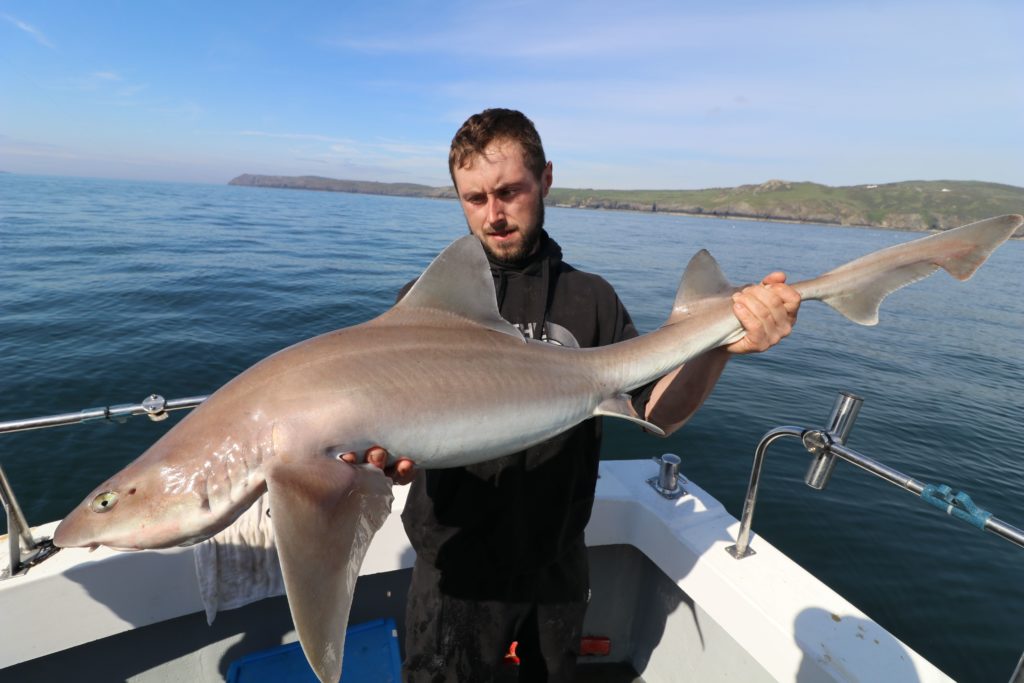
(913, 205)
(909, 205)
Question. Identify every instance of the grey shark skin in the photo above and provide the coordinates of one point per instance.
(442, 379)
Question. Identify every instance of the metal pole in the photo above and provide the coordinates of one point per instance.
(742, 547)
(18, 529)
(14, 514)
(155, 407)
(1018, 673)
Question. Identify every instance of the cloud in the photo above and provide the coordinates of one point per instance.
(376, 149)
(31, 30)
(19, 147)
(293, 136)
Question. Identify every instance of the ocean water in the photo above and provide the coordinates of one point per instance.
(112, 290)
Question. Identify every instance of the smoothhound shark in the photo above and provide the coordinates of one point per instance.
(441, 379)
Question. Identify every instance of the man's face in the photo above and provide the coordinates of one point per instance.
(503, 201)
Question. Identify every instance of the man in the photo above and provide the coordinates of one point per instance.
(500, 552)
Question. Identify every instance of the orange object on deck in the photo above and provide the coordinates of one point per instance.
(595, 645)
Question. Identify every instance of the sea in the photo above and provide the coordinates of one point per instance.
(113, 290)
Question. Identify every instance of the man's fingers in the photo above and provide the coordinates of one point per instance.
(377, 456)
(402, 472)
(767, 312)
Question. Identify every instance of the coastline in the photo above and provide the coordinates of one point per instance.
(914, 206)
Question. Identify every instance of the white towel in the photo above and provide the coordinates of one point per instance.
(239, 565)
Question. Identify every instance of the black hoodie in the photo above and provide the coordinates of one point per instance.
(493, 527)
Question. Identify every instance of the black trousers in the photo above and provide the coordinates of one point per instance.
(456, 640)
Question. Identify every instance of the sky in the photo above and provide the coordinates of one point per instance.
(628, 95)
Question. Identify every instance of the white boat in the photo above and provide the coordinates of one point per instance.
(670, 602)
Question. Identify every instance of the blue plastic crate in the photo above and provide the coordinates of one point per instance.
(371, 656)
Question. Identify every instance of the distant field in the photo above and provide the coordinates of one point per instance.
(909, 205)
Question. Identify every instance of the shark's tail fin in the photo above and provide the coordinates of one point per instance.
(857, 289)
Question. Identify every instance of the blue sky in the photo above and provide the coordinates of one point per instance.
(625, 94)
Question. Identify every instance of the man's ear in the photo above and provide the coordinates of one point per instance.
(545, 179)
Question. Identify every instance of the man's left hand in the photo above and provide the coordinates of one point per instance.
(767, 312)
(402, 471)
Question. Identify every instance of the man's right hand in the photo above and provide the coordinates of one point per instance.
(401, 472)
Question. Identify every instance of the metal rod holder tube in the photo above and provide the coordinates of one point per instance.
(667, 481)
(668, 472)
(844, 414)
(840, 422)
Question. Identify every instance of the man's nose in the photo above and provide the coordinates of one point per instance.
(495, 210)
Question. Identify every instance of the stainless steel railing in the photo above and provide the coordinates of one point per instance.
(23, 549)
(827, 445)
(154, 406)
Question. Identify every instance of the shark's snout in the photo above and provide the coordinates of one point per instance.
(84, 527)
(112, 515)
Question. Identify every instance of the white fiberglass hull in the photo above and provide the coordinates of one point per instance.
(674, 604)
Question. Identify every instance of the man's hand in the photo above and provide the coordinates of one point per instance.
(401, 472)
(767, 312)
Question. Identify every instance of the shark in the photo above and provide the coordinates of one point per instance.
(442, 379)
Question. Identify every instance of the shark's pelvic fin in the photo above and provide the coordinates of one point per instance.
(458, 282)
(622, 406)
(324, 512)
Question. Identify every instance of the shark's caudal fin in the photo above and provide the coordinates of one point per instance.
(857, 289)
(325, 512)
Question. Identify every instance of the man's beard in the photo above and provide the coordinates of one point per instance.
(516, 256)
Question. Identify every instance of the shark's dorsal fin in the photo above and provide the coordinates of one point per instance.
(458, 282)
(703, 279)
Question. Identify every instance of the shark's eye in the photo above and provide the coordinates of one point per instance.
(104, 502)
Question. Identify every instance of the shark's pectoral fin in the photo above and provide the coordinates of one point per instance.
(324, 512)
(622, 406)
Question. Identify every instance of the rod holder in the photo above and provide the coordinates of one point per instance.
(667, 483)
(819, 442)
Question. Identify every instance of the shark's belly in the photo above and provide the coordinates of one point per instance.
(439, 408)
(473, 411)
